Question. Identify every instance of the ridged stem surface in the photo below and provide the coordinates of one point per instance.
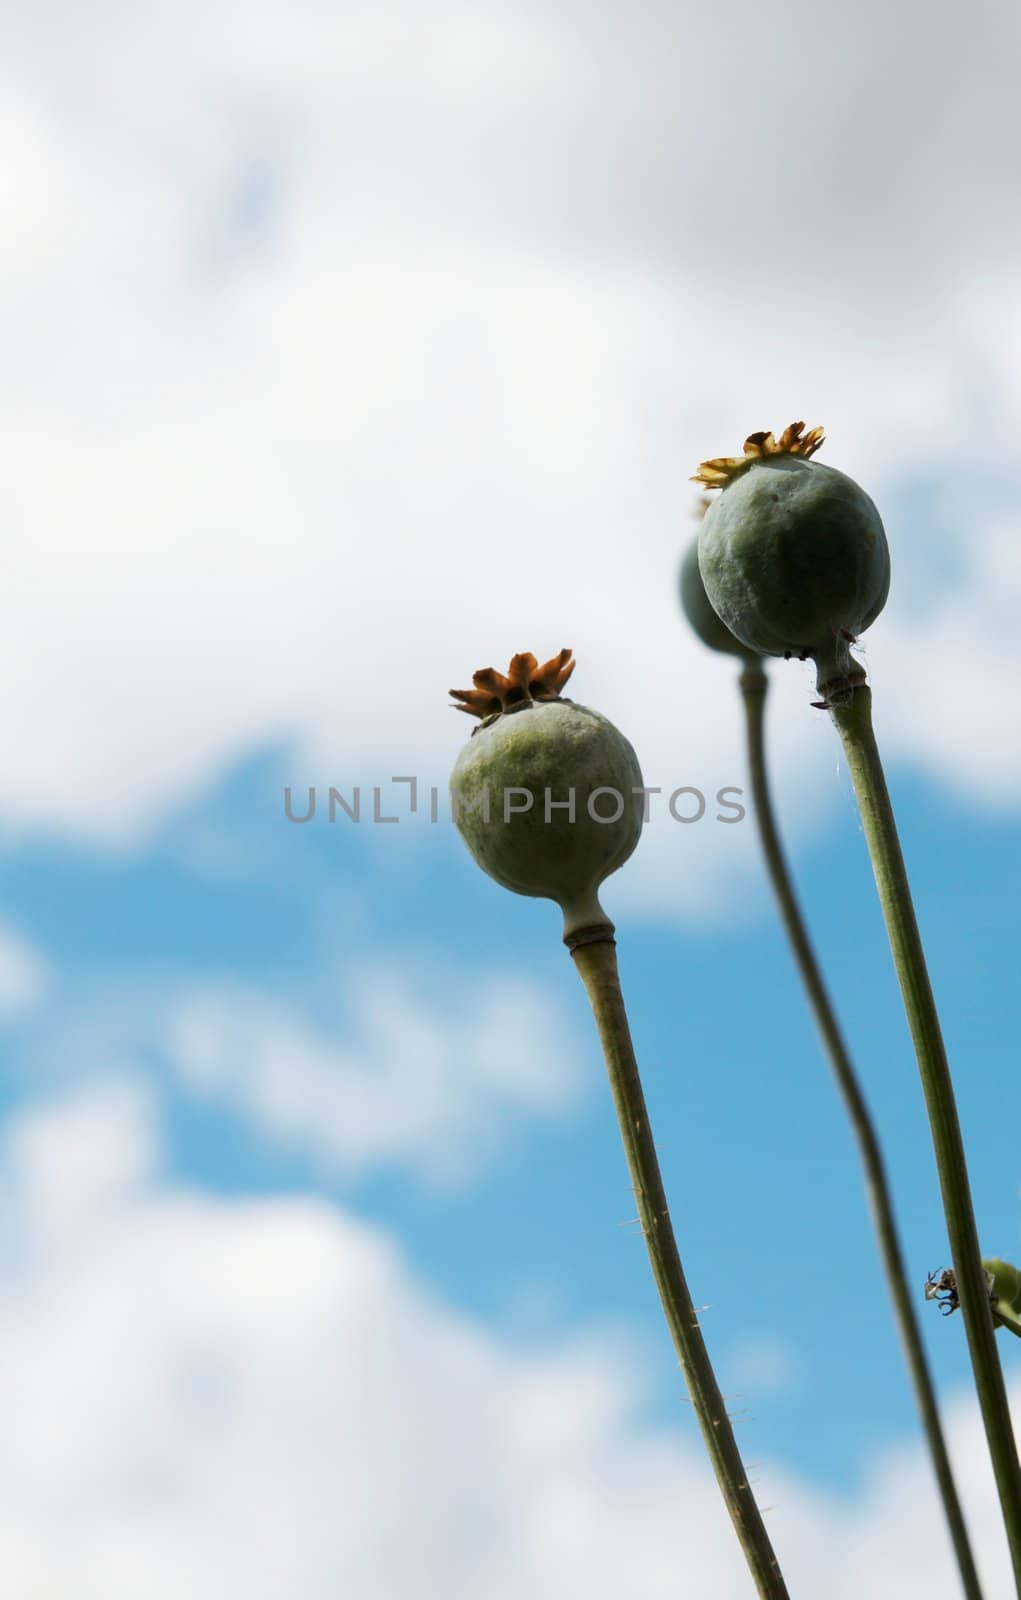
(754, 687)
(597, 964)
(853, 719)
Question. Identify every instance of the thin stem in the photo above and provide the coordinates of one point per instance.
(754, 687)
(853, 719)
(597, 964)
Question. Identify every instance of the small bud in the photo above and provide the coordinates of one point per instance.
(1004, 1293)
(1003, 1281)
(793, 555)
(582, 776)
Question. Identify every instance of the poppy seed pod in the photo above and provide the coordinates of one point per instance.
(546, 794)
(711, 629)
(793, 555)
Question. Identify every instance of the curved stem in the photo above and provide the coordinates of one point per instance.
(754, 686)
(853, 720)
(597, 963)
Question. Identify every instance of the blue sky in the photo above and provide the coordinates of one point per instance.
(348, 352)
(765, 1180)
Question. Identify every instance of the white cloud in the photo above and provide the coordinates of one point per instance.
(956, 661)
(430, 1081)
(24, 973)
(74, 1163)
(256, 1398)
(346, 352)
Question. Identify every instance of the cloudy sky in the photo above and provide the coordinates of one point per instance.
(348, 349)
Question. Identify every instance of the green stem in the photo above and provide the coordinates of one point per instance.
(597, 964)
(754, 687)
(853, 719)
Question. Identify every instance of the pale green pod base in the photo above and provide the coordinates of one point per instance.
(584, 915)
(794, 559)
(549, 750)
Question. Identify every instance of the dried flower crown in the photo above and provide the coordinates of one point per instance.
(525, 681)
(794, 441)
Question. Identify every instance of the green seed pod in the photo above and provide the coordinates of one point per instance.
(546, 794)
(793, 555)
(1005, 1293)
(695, 603)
